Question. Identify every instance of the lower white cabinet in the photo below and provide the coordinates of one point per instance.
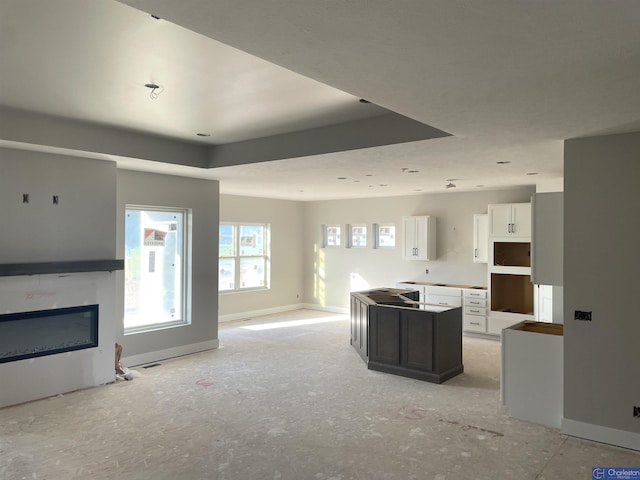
(443, 295)
(474, 310)
(531, 373)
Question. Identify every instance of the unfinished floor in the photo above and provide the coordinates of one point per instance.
(290, 400)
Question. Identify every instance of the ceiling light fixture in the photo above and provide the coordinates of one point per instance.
(451, 184)
(532, 173)
(156, 90)
(342, 178)
(503, 162)
(203, 134)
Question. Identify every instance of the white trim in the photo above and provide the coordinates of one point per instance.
(598, 433)
(285, 308)
(257, 313)
(314, 306)
(158, 355)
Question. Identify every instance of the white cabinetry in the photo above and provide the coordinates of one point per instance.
(510, 220)
(474, 310)
(480, 238)
(443, 295)
(419, 238)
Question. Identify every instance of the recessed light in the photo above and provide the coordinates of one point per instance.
(356, 181)
(418, 190)
(342, 178)
(479, 186)
(532, 173)
(503, 162)
(369, 175)
(203, 134)
(384, 184)
(414, 171)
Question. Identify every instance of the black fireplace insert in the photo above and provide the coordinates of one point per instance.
(47, 332)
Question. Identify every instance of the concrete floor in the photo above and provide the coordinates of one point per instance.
(294, 402)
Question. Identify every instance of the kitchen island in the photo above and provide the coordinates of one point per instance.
(394, 333)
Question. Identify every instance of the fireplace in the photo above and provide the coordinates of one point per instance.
(45, 362)
(47, 332)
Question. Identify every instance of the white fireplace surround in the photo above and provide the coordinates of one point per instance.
(41, 377)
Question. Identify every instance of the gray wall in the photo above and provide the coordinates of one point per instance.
(378, 268)
(80, 227)
(201, 196)
(285, 218)
(601, 268)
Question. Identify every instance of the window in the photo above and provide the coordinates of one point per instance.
(385, 235)
(155, 268)
(357, 236)
(244, 257)
(331, 235)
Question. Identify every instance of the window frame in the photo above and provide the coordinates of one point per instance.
(185, 271)
(325, 235)
(352, 229)
(376, 236)
(237, 256)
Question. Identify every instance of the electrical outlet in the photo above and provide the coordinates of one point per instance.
(582, 315)
(636, 411)
(426, 271)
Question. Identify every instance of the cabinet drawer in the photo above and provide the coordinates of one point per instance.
(474, 293)
(444, 300)
(443, 290)
(474, 311)
(474, 323)
(475, 302)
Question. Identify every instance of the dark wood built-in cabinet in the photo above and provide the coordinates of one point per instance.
(394, 336)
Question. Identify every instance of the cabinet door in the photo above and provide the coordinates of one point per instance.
(409, 238)
(417, 341)
(500, 220)
(480, 238)
(423, 236)
(521, 220)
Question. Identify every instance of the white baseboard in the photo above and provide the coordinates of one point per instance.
(313, 306)
(151, 357)
(284, 308)
(257, 313)
(598, 433)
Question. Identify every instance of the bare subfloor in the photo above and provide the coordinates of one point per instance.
(294, 402)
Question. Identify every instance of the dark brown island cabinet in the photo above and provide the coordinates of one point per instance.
(393, 333)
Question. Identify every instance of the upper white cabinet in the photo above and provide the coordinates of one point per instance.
(419, 238)
(510, 220)
(480, 238)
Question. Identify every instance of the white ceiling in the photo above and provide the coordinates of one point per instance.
(509, 80)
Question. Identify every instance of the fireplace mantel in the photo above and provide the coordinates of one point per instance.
(47, 268)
